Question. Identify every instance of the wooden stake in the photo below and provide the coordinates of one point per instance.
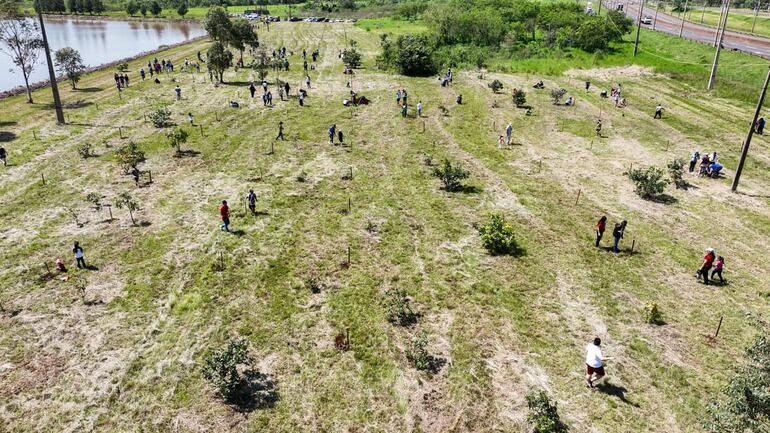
(718, 327)
(633, 244)
(591, 146)
(216, 115)
(145, 118)
(42, 176)
(110, 209)
(351, 173)
(539, 165)
(201, 128)
(347, 337)
(221, 261)
(120, 131)
(423, 126)
(350, 205)
(666, 145)
(47, 269)
(149, 172)
(97, 106)
(34, 135)
(348, 255)
(578, 197)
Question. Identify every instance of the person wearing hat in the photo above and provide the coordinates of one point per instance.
(708, 262)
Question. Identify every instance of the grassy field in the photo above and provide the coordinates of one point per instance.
(127, 354)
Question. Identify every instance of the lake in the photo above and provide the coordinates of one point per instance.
(101, 41)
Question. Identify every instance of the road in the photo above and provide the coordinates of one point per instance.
(756, 45)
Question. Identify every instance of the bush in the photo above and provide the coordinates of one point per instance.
(417, 352)
(414, 55)
(125, 201)
(399, 310)
(160, 117)
(497, 236)
(352, 58)
(676, 172)
(649, 181)
(652, 314)
(122, 67)
(228, 370)
(176, 137)
(129, 156)
(519, 97)
(557, 94)
(84, 150)
(95, 199)
(496, 86)
(543, 413)
(450, 175)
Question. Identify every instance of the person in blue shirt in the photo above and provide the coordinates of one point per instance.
(332, 130)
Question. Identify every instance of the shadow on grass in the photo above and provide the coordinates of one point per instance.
(465, 189)
(238, 232)
(78, 104)
(6, 136)
(144, 224)
(187, 153)
(615, 391)
(258, 392)
(91, 268)
(237, 83)
(664, 199)
(7, 123)
(625, 252)
(90, 89)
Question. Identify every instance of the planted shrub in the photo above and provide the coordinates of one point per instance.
(557, 94)
(496, 86)
(497, 236)
(176, 137)
(519, 97)
(676, 173)
(125, 201)
(543, 413)
(84, 150)
(230, 370)
(95, 199)
(417, 352)
(650, 181)
(160, 117)
(352, 58)
(129, 156)
(399, 310)
(122, 67)
(450, 175)
(652, 314)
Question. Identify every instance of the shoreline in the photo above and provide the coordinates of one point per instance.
(122, 18)
(19, 90)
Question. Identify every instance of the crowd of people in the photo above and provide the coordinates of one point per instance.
(709, 164)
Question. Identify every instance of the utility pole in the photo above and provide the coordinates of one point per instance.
(684, 15)
(719, 48)
(599, 12)
(756, 11)
(745, 149)
(703, 12)
(638, 27)
(719, 24)
(655, 20)
(51, 75)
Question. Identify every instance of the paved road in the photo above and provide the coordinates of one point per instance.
(733, 40)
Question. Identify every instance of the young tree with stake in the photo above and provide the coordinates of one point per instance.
(69, 62)
(20, 39)
(124, 200)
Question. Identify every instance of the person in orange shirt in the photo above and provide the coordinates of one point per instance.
(224, 212)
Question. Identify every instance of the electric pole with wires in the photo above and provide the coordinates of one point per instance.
(745, 149)
(638, 27)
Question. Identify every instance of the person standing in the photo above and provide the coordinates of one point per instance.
(404, 110)
(694, 160)
(3, 156)
(403, 96)
(760, 125)
(658, 112)
(332, 130)
(252, 198)
(340, 137)
(301, 99)
(600, 227)
(178, 91)
(419, 108)
(224, 213)
(135, 173)
(307, 81)
(617, 234)
(287, 89)
(508, 133)
(191, 119)
(708, 262)
(588, 84)
(252, 89)
(720, 263)
(141, 73)
(280, 131)
(594, 362)
(79, 257)
(398, 97)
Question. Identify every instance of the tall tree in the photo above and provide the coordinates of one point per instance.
(182, 9)
(143, 8)
(242, 35)
(219, 59)
(20, 39)
(131, 7)
(155, 8)
(98, 7)
(72, 5)
(69, 62)
(218, 24)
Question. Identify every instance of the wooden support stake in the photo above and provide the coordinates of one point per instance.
(423, 126)
(633, 244)
(216, 115)
(47, 269)
(120, 131)
(201, 128)
(351, 173)
(350, 204)
(149, 172)
(667, 145)
(348, 255)
(591, 146)
(42, 176)
(347, 337)
(578, 197)
(145, 118)
(272, 143)
(97, 106)
(34, 135)
(718, 327)
(110, 209)
(539, 165)
(221, 261)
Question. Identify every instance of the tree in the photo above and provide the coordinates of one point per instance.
(676, 173)
(219, 59)
(352, 58)
(182, 9)
(160, 117)
(619, 23)
(543, 413)
(450, 175)
(649, 182)
(519, 97)
(496, 86)
(218, 24)
(20, 39)
(232, 373)
(131, 7)
(242, 35)
(176, 137)
(155, 8)
(557, 94)
(72, 5)
(69, 62)
(128, 156)
(143, 8)
(414, 56)
(98, 7)
(261, 64)
(125, 201)
(497, 236)
(593, 34)
(88, 6)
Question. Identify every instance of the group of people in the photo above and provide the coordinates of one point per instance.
(617, 233)
(615, 92)
(333, 130)
(401, 101)
(446, 80)
(713, 263)
(709, 164)
(121, 80)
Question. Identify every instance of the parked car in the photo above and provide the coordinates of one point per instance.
(647, 20)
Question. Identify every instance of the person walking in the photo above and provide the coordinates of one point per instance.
(398, 97)
(600, 227)
(708, 262)
(191, 119)
(403, 96)
(252, 90)
(224, 213)
(79, 257)
(340, 137)
(694, 158)
(332, 130)
(760, 125)
(307, 81)
(135, 173)
(720, 263)
(588, 84)
(280, 131)
(301, 99)
(287, 88)
(617, 234)
(264, 86)
(508, 133)
(3, 156)
(419, 108)
(178, 91)
(141, 73)
(403, 110)
(252, 198)
(658, 112)
(594, 362)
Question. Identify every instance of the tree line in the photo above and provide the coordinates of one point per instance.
(90, 7)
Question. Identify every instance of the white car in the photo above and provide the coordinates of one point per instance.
(647, 20)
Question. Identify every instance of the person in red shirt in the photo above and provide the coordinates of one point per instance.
(224, 212)
(708, 261)
(600, 226)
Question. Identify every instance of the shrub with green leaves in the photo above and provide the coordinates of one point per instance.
(125, 201)
(176, 137)
(676, 173)
(519, 97)
(650, 182)
(417, 352)
(451, 175)
(351, 57)
(399, 310)
(498, 236)
(221, 368)
(496, 86)
(652, 313)
(160, 117)
(128, 156)
(122, 67)
(557, 94)
(84, 150)
(95, 199)
(543, 413)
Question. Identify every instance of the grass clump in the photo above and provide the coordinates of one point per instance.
(451, 175)
(85, 150)
(417, 352)
(497, 236)
(543, 413)
(496, 86)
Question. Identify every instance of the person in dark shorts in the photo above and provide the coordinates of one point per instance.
(594, 363)
(252, 198)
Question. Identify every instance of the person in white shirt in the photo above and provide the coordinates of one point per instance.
(594, 363)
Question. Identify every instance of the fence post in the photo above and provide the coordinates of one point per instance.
(578, 197)
(42, 176)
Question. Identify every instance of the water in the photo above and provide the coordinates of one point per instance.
(101, 41)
